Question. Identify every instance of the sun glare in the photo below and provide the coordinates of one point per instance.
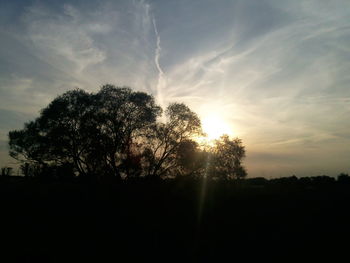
(214, 127)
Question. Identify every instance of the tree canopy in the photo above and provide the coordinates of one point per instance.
(117, 132)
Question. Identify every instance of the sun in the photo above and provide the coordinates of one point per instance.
(214, 126)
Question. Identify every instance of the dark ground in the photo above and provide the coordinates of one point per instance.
(162, 221)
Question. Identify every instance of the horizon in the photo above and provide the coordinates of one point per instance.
(274, 74)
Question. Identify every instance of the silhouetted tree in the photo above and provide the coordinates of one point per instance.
(190, 158)
(322, 180)
(115, 132)
(226, 158)
(64, 125)
(58, 136)
(29, 144)
(343, 178)
(93, 132)
(6, 171)
(120, 120)
(164, 139)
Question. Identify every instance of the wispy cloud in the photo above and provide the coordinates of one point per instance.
(161, 84)
(278, 72)
(271, 87)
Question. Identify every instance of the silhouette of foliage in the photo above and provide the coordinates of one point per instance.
(28, 144)
(190, 158)
(6, 171)
(165, 139)
(116, 133)
(226, 158)
(119, 121)
(92, 132)
(343, 178)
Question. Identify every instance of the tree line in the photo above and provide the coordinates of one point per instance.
(118, 132)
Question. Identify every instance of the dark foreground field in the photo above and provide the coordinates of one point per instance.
(172, 221)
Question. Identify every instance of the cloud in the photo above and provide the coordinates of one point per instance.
(64, 40)
(53, 48)
(278, 72)
(283, 84)
(161, 78)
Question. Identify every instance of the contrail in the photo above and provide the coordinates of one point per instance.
(161, 79)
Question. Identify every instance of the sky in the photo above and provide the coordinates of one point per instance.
(277, 72)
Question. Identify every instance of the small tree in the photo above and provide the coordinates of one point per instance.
(343, 178)
(6, 171)
(226, 158)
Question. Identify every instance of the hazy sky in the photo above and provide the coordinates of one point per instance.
(277, 72)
